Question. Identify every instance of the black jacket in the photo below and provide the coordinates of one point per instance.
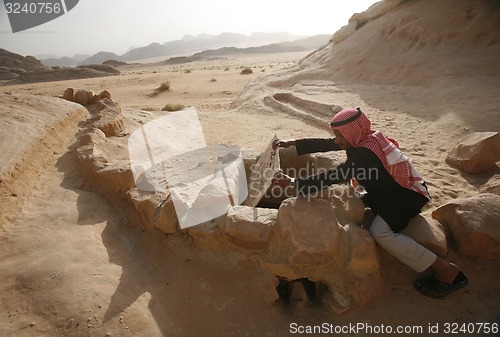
(393, 202)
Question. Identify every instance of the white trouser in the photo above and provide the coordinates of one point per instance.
(404, 248)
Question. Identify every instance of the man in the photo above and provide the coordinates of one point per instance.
(395, 193)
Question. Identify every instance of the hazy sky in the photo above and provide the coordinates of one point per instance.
(118, 25)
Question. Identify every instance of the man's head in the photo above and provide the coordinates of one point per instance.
(350, 126)
(341, 141)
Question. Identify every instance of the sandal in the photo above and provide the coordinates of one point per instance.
(435, 288)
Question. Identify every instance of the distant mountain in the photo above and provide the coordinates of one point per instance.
(99, 58)
(54, 61)
(197, 37)
(309, 43)
(306, 44)
(60, 62)
(190, 44)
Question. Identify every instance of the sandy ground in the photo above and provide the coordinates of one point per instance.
(72, 264)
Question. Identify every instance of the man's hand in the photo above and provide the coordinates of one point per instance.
(283, 143)
(280, 179)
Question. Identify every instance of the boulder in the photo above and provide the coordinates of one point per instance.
(104, 94)
(156, 210)
(249, 227)
(474, 224)
(111, 120)
(348, 208)
(362, 271)
(308, 242)
(208, 235)
(491, 186)
(476, 153)
(69, 94)
(114, 179)
(82, 96)
(309, 232)
(429, 233)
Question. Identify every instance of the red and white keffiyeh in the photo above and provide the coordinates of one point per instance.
(357, 130)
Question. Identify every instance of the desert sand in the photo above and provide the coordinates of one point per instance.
(75, 263)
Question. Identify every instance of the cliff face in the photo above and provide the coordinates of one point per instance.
(414, 42)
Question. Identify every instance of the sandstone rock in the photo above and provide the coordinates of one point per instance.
(308, 242)
(104, 94)
(94, 136)
(208, 235)
(348, 208)
(309, 231)
(429, 233)
(115, 179)
(156, 210)
(474, 224)
(249, 227)
(491, 186)
(111, 122)
(362, 258)
(105, 103)
(476, 153)
(359, 19)
(93, 100)
(82, 96)
(69, 94)
(91, 153)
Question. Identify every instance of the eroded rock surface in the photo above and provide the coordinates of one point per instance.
(476, 153)
(474, 224)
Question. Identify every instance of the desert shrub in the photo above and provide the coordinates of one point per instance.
(187, 71)
(165, 86)
(246, 71)
(213, 80)
(173, 107)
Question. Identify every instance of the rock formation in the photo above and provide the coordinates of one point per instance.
(476, 153)
(27, 69)
(474, 224)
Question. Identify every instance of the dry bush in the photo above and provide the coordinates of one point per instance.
(246, 71)
(165, 86)
(173, 107)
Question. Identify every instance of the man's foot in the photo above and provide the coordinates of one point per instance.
(444, 271)
(432, 287)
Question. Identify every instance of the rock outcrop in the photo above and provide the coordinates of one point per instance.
(27, 69)
(476, 153)
(107, 114)
(250, 227)
(491, 186)
(474, 224)
(308, 242)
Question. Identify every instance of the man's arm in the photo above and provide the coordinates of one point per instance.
(313, 145)
(309, 145)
